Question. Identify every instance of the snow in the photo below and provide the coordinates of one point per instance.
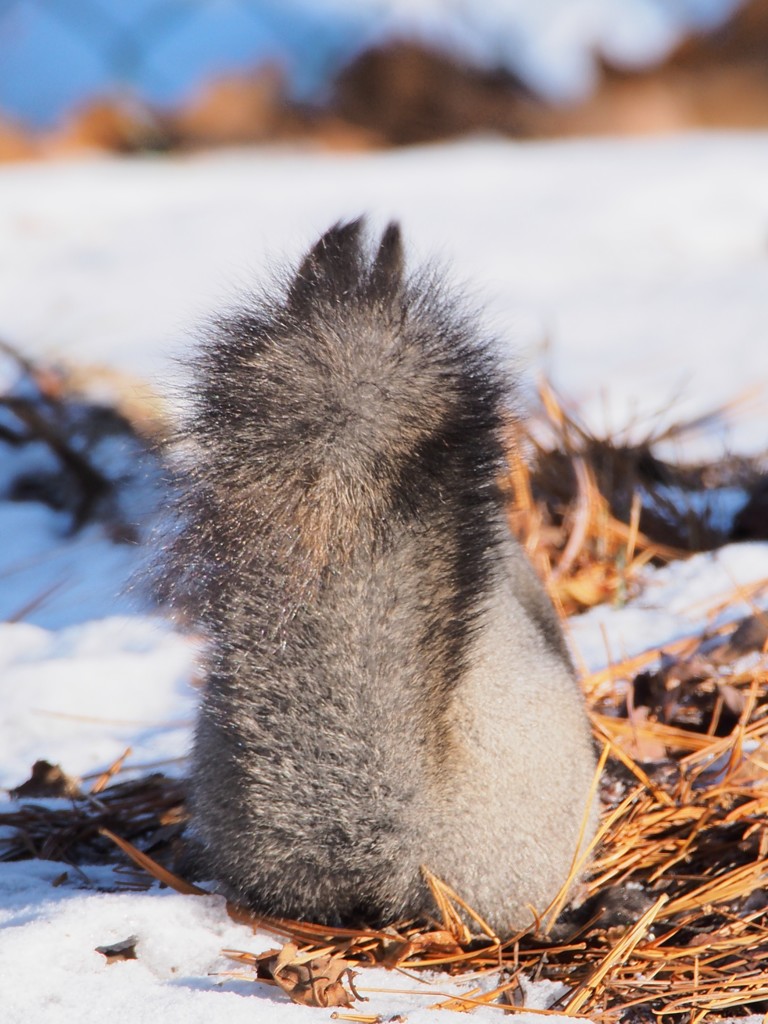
(633, 272)
(178, 972)
(675, 602)
(80, 695)
(639, 263)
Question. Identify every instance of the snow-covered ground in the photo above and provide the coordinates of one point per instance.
(634, 273)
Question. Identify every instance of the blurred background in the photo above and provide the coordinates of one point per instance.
(144, 75)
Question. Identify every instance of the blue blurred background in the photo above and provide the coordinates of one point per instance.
(57, 54)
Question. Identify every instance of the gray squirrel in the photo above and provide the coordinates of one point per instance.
(387, 682)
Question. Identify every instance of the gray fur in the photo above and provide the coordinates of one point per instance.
(388, 686)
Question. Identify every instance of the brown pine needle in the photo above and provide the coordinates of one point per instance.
(445, 896)
(581, 853)
(749, 878)
(620, 952)
(156, 870)
(685, 781)
(106, 776)
(582, 518)
(602, 728)
(360, 1018)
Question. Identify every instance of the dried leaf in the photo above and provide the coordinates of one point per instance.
(313, 980)
(750, 635)
(587, 588)
(260, 962)
(643, 745)
(733, 699)
(47, 780)
(149, 864)
(437, 942)
(116, 951)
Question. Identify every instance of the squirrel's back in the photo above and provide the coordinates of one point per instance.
(388, 686)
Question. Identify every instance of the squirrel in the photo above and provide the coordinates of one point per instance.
(388, 687)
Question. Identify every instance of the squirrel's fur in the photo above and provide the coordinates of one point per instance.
(388, 685)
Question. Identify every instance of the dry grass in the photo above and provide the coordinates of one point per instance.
(592, 512)
(148, 810)
(672, 918)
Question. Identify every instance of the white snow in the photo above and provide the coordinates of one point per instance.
(81, 695)
(178, 974)
(629, 271)
(633, 271)
(675, 602)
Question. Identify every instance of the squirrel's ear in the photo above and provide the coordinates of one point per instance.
(387, 270)
(332, 265)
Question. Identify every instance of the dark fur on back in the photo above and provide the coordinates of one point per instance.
(342, 543)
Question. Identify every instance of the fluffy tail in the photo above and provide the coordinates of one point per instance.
(342, 406)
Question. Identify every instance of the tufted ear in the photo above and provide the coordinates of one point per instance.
(387, 270)
(332, 266)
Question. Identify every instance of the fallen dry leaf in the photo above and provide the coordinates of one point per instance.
(116, 951)
(313, 981)
(47, 780)
(437, 942)
(643, 745)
